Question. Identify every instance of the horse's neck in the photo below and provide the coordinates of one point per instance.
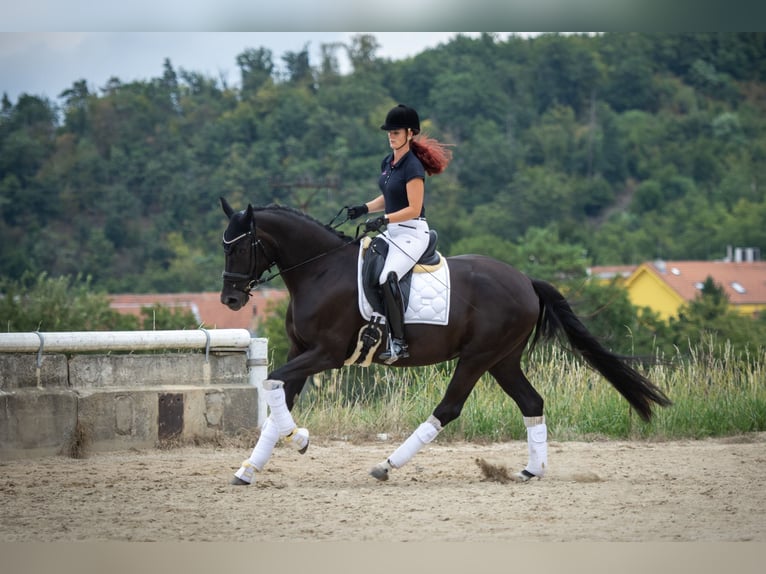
(298, 240)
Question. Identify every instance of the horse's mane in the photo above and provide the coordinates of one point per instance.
(302, 215)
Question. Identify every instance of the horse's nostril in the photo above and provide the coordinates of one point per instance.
(229, 300)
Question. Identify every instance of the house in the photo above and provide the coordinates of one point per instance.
(664, 286)
(206, 307)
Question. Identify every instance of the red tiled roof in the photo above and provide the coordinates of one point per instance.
(743, 282)
(206, 307)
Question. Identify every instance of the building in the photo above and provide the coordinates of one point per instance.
(206, 307)
(664, 286)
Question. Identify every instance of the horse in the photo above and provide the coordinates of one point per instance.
(496, 313)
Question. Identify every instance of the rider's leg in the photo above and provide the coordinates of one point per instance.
(407, 242)
(394, 304)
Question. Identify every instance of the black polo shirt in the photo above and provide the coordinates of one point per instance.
(393, 181)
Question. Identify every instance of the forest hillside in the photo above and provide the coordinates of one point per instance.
(604, 149)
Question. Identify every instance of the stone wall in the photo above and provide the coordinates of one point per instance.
(122, 401)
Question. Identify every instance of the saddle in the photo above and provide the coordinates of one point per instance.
(375, 258)
(426, 300)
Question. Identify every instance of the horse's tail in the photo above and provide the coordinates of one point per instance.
(556, 315)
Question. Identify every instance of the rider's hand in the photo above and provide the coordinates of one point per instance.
(375, 224)
(357, 211)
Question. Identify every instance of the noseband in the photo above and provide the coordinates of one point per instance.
(248, 279)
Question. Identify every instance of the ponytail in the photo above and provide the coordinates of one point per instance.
(434, 155)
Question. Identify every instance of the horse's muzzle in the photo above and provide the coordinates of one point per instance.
(233, 301)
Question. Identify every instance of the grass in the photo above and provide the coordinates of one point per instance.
(716, 392)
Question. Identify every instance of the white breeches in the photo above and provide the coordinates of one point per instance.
(407, 241)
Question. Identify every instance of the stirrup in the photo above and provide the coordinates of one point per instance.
(396, 350)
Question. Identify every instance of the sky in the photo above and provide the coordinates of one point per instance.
(48, 45)
(47, 63)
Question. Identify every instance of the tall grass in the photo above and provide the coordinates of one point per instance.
(715, 391)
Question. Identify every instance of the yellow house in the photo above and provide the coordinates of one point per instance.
(664, 286)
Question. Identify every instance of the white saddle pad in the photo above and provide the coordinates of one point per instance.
(429, 295)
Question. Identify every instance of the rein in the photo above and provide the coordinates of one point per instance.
(254, 283)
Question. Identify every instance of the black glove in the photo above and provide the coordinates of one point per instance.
(357, 211)
(375, 224)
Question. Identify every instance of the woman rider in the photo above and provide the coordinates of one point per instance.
(402, 186)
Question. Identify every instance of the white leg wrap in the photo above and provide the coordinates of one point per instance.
(261, 453)
(537, 441)
(265, 445)
(275, 398)
(424, 434)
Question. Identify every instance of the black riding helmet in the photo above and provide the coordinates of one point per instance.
(402, 117)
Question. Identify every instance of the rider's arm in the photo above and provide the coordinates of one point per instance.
(377, 204)
(415, 193)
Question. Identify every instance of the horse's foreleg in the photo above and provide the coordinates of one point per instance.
(280, 415)
(260, 455)
(280, 423)
(424, 434)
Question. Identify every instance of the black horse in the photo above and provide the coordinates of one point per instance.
(494, 312)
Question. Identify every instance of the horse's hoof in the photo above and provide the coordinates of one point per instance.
(524, 476)
(299, 438)
(245, 475)
(380, 471)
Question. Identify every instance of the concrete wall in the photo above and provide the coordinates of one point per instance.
(123, 401)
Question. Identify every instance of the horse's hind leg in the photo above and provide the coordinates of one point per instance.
(512, 380)
(462, 383)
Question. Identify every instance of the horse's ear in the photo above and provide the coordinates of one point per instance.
(227, 209)
(250, 212)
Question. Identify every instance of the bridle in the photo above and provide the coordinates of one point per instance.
(246, 282)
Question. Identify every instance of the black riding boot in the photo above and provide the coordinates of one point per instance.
(394, 304)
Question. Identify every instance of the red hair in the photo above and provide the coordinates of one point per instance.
(434, 155)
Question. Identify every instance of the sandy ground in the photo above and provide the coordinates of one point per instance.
(710, 490)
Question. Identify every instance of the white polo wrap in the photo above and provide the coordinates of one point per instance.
(424, 434)
(537, 443)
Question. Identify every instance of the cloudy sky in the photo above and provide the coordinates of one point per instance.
(46, 63)
(47, 45)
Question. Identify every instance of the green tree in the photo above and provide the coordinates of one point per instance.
(66, 303)
(273, 328)
(256, 69)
